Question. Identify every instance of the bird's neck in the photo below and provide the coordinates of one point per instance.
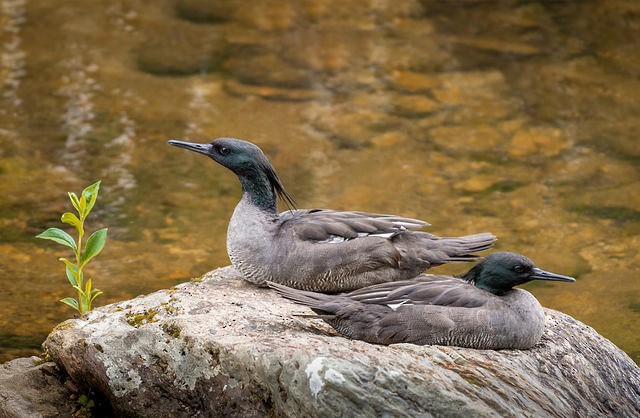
(259, 190)
(478, 278)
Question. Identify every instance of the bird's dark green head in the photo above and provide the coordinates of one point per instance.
(248, 162)
(501, 271)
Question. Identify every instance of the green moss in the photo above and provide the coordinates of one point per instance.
(45, 358)
(505, 186)
(205, 11)
(172, 329)
(139, 319)
(346, 142)
(635, 307)
(64, 325)
(170, 309)
(617, 213)
(86, 404)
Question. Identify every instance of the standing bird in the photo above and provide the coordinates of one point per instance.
(480, 309)
(317, 249)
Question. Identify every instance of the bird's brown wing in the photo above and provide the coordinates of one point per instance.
(424, 290)
(322, 225)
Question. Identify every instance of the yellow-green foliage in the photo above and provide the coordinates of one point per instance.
(94, 244)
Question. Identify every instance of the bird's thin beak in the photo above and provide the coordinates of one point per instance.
(539, 274)
(192, 146)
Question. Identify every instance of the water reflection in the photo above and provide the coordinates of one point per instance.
(519, 119)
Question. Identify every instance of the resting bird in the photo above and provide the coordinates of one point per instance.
(317, 249)
(480, 309)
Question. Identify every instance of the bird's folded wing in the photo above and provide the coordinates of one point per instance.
(424, 290)
(335, 226)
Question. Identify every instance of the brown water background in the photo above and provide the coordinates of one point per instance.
(519, 118)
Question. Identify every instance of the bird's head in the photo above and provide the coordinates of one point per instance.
(501, 271)
(246, 160)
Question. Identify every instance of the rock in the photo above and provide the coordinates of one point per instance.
(475, 184)
(499, 45)
(413, 82)
(413, 106)
(220, 346)
(538, 142)
(328, 48)
(272, 93)
(207, 11)
(389, 139)
(30, 388)
(471, 96)
(250, 70)
(460, 140)
(180, 50)
(347, 126)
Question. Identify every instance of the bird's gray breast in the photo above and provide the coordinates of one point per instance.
(250, 242)
(515, 320)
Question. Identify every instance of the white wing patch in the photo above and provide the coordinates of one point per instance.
(336, 239)
(395, 306)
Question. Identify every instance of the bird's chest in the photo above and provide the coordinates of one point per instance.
(248, 236)
(524, 318)
(250, 240)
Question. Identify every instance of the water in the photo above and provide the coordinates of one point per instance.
(518, 118)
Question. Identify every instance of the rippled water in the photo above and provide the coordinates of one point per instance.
(519, 119)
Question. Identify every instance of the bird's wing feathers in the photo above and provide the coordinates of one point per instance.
(412, 327)
(326, 225)
(424, 290)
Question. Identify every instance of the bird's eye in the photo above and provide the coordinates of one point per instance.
(224, 151)
(519, 268)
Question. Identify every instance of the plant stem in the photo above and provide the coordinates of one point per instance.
(80, 278)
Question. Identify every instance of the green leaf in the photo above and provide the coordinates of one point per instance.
(71, 302)
(94, 294)
(71, 219)
(83, 207)
(75, 201)
(79, 289)
(59, 236)
(91, 194)
(72, 271)
(95, 243)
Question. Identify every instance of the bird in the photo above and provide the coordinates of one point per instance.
(320, 249)
(480, 309)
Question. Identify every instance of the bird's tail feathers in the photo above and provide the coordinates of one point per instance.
(462, 249)
(311, 299)
(316, 316)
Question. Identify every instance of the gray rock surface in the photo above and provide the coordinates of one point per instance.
(31, 388)
(221, 347)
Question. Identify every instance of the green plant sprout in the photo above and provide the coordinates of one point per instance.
(94, 244)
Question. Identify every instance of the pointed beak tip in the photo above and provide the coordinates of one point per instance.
(191, 146)
(546, 275)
